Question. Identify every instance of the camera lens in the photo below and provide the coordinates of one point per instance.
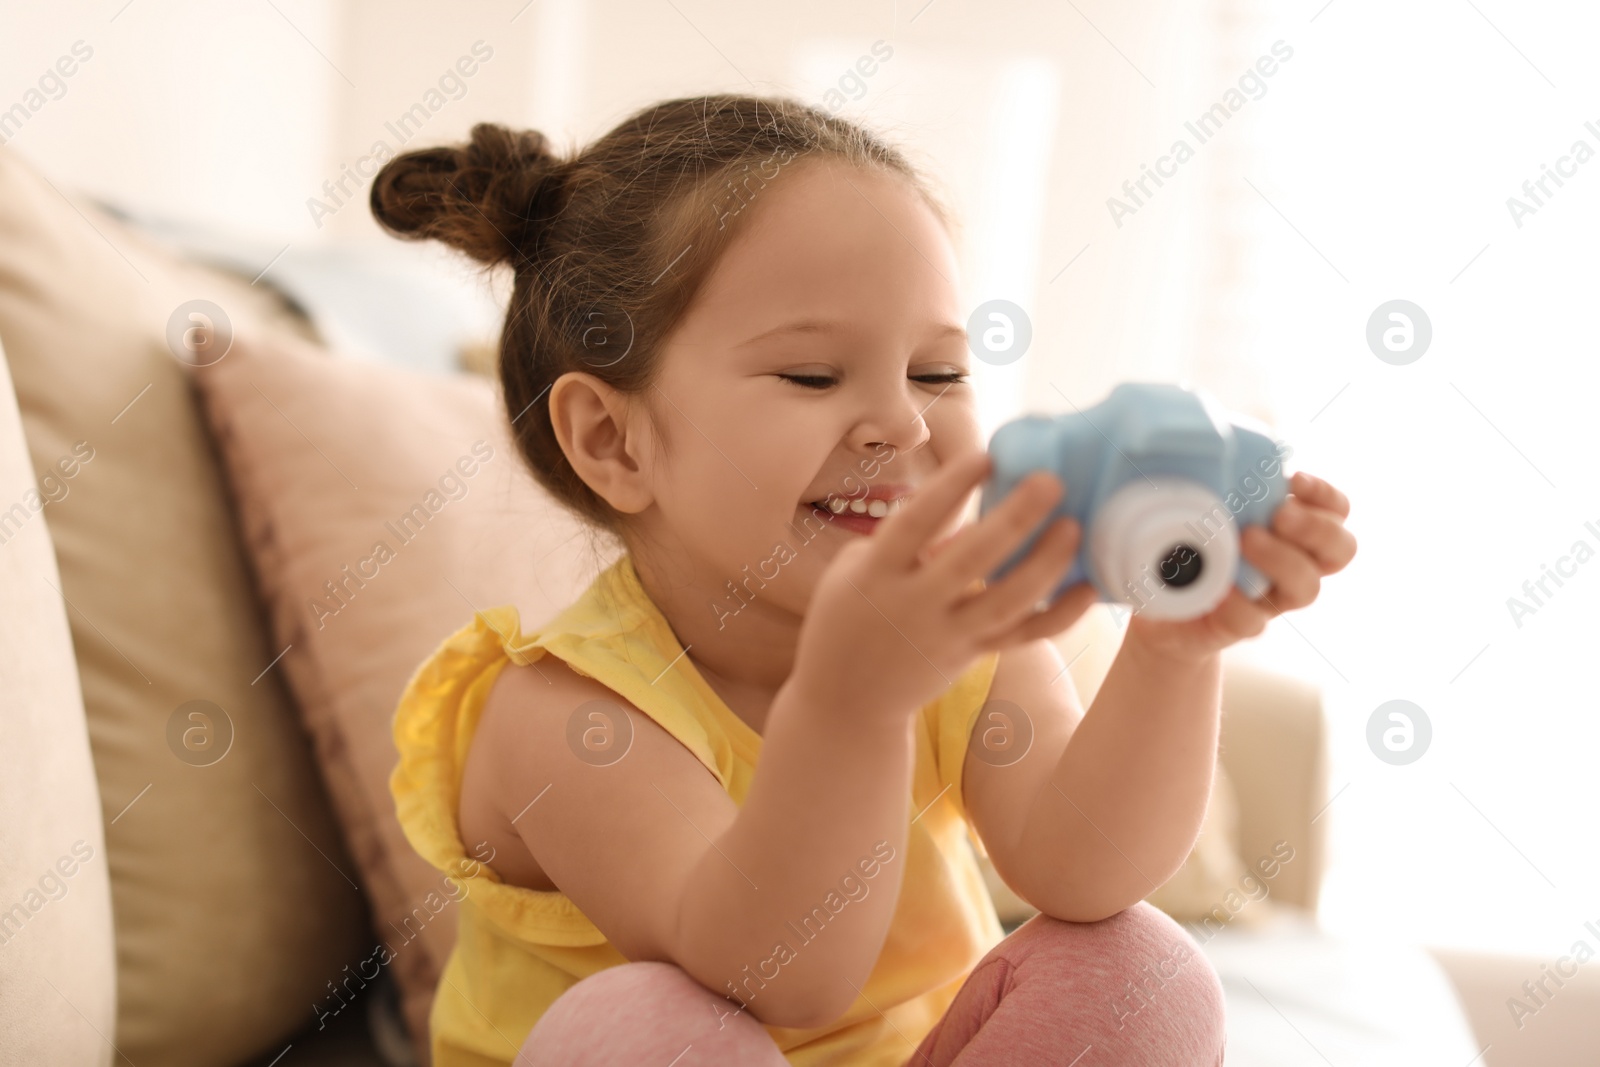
(1143, 548)
(1181, 566)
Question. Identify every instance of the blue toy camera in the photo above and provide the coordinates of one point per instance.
(1162, 481)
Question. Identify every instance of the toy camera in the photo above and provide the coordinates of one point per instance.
(1162, 482)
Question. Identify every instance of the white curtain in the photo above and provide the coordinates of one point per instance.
(1381, 167)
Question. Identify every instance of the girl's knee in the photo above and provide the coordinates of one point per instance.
(635, 1013)
(643, 994)
(1134, 938)
(1145, 969)
(1162, 953)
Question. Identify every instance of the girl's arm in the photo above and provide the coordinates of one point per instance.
(1105, 806)
(824, 827)
(654, 851)
(1100, 812)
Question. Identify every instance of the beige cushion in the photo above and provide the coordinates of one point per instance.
(234, 899)
(382, 507)
(57, 959)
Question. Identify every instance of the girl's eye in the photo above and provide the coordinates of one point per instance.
(822, 381)
(808, 381)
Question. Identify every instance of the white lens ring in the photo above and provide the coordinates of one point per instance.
(1137, 529)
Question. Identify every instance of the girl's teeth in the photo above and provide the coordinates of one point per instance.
(861, 506)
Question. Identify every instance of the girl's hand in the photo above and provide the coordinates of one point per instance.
(1307, 541)
(899, 614)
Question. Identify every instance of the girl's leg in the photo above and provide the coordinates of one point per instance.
(1131, 989)
(645, 1013)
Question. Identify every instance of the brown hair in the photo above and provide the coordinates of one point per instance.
(609, 246)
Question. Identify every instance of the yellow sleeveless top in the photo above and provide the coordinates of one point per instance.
(518, 949)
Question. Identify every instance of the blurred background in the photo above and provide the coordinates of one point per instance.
(1392, 154)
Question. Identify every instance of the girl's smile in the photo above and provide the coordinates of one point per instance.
(860, 511)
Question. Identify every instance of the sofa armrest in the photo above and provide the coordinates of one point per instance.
(58, 975)
(1555, 1027)
(1274, 750)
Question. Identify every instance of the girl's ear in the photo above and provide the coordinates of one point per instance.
(593, 425)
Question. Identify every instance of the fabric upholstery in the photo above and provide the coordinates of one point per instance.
(234, 900)
(57, 957)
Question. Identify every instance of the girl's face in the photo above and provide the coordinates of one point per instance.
(826, 354)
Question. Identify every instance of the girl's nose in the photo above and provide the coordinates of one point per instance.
(893, 416)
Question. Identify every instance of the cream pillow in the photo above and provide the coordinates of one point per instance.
(233, 897)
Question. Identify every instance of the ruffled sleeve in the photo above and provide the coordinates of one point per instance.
(433, 727)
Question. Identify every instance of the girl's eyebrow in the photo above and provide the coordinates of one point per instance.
(809, 326)
(821, 326)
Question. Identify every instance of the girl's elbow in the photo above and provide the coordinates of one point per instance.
(794, 1014)
(803, 1009)
(1088, 913)
(1090, 905)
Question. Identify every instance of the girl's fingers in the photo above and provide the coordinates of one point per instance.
(1318, 493)
(1318, 531)
(1248, 618)
(1012, 598)
(981, 547)
(1068, 609)
(1294, 577)
(1239, 616)
(902, 536)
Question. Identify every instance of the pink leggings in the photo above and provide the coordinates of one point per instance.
(1131, 989)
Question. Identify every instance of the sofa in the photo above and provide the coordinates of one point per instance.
(224, 542)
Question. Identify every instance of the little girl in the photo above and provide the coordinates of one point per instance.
(727, 792)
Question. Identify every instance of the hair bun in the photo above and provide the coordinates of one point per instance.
(490, 197)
